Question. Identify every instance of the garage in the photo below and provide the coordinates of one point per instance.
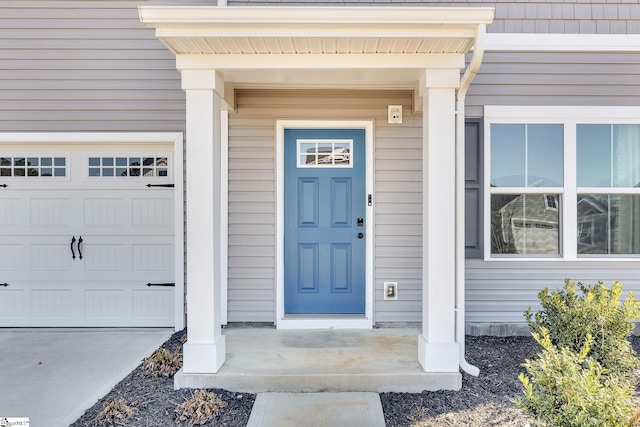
(88, 231)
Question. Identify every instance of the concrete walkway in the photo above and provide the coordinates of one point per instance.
(52, 376)
(317, 410)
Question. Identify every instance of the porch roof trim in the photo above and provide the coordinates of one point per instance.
(315, 30)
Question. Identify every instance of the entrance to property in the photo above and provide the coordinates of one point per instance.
(87, 235)
(324, 222)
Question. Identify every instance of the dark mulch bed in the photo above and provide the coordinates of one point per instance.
(483, 401)
(157, 399)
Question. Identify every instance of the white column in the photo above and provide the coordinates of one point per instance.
(437, 348)
(204, 351)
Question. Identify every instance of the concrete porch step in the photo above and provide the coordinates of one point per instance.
(262, 359)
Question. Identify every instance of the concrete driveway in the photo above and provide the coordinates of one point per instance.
(52, 376)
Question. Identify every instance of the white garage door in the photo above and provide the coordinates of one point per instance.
(86, 235)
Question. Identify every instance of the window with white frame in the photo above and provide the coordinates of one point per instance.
(608, 181)
(526, 183)
(324, 153)
(562, 182)
(131, 166)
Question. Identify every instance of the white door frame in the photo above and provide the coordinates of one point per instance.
(329, 322)
(175, 138)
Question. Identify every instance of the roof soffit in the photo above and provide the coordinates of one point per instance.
(384, 47)
(315, 30)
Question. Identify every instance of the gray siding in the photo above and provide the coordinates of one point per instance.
(85, 66)
(555, 78)
(516, 16)
(500, 291)
(252, 204)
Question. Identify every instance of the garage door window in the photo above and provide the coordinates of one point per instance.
(128, 166)
(23, 166)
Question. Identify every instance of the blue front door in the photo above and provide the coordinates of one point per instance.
(324, 240)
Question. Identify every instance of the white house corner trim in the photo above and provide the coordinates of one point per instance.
(281, 321)
(224, 216)
(178, 154)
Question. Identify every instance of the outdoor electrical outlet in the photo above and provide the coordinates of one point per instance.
(391, 290)
(394, 114)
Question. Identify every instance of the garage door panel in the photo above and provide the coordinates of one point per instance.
(127, 232)
(152, 304)
(61, 304)
(11, 258)
(104, 212)
(51, 212)
(51, 257)
(105, 258)
(11, 212)
(153, 212)
(11, 305)
(51, 303)
(153, 258)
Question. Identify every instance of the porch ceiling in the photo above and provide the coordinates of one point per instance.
(359, 46)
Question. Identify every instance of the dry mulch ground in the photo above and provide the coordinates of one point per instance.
(483, 401)
(157, 399)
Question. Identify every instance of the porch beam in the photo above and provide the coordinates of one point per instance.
(438, 350)
(204, 351)
(389, 61)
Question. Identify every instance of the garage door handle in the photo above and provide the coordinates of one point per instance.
(80, 247)
(4, 284)
(73, 254)
(3, 185)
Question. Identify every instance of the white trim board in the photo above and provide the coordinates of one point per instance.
(175, 138)
(497, 42)
(333, 322)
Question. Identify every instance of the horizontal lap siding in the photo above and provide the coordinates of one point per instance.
(252, 217)
(398, 244)
(500, 291)
(85, 66)
(555, 78)
(252, 201)
(514, 16)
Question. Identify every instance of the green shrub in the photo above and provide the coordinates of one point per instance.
(571, 316)
(570, 389)
(163, 363)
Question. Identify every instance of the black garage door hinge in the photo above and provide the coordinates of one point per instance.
(160, 284)
(161, 185)
(4, 284)
(3, 185)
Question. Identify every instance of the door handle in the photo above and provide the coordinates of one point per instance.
(80, 247)
(73, 254)
(360, 222)
(360, 235)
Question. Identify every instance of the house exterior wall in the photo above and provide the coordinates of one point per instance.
(91, 66)
(555, 78)
(85, 66)
(252, 192)
(535, 16)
